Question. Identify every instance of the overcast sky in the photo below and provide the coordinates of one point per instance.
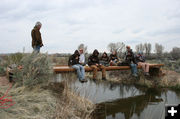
(96, 23)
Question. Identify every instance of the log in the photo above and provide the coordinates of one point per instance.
(60, 68)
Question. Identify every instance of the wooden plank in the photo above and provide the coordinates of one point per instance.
(59, 69)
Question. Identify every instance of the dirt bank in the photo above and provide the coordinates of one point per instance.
(169, 79)
(54, 101)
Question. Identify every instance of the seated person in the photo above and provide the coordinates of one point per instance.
(93, 62)
(104, 60)
(130, 60)
(82, 57)
(74, 62)
(140, 59)
(113, 59)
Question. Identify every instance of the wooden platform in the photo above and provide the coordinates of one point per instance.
(59, 69)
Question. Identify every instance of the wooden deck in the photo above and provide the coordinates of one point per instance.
(60, 69)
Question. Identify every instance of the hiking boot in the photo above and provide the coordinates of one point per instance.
(135, 75)
(94, 79)
(147, 74)
(85, 80)
(104, 78)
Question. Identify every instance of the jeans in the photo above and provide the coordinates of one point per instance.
(37, 48)
(80, 71)
(134, 69)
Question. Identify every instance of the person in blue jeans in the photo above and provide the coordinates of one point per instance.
(74, 62)
(36, 37)
(130, 60)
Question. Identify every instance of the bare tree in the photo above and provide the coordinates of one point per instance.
(159, 49)
(82, 46)
(139, 47)
(119, 47)
(175, 53)
(147, 48)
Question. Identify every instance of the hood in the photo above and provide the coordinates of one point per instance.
(105, 54)
(95, 52)
(140, 53)
(76, 53)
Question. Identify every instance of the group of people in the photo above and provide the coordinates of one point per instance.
(77, 60)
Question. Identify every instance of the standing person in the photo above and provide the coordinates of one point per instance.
(140, 59)
(113, 59)
(104, 60)
(93, 62)
(74, 62)
(36, 37)
(130, 60)
(82, 57)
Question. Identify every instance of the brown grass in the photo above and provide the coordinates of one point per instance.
(72, 106)
(54, 101)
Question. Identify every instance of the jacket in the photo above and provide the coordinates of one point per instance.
(74, 59)
(106, 58)
(129, 57)
(140, 58)
(93, 59)
(36, 37)
(113, 57)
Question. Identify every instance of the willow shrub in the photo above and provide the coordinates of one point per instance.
(36, 70)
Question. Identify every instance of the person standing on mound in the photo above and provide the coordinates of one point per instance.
(36, 37)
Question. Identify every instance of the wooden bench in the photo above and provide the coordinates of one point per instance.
(61, 69)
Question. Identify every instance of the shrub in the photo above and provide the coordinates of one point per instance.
(36, 69)
(14, 58)
(2, 71)
(2, 68)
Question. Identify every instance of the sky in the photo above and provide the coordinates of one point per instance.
(95, 23)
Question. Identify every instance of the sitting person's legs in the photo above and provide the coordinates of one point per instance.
(82, 71)
(142, 65)
(113, 63)
(94, 67)
(103, 68)
(134, 69)
(77, 67)
(147, 68)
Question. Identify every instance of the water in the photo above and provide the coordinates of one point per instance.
(121, 101)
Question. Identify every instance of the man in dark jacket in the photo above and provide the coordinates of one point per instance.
(36, 37)
(93, 62)
(130, 60)
(140, 59)
(74, 62)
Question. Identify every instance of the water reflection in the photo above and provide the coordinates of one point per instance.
(104, 91)
(128, 106)
(122, 101)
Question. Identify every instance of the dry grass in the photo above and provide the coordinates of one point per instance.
(72, 106)
(171, 79)
(35, 103)
(51, 102)
(37, 98)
